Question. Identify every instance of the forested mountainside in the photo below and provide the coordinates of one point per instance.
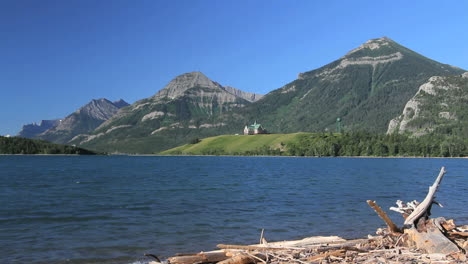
(366, 88)
(439, 107)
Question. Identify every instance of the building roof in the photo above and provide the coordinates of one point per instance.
(255, 126)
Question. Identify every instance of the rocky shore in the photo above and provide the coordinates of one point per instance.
(420, 240)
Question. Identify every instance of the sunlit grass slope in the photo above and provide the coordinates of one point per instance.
(328, 145)
(236, 145)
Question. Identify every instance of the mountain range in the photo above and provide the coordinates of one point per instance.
(190, 106)
(367, 89)
(84, 120)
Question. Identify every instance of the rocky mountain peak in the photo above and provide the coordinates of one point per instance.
(372, 44)
(371, 53)
(120, 103)
(185, 81)
(101, 109)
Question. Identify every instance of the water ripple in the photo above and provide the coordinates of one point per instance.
(114, 209)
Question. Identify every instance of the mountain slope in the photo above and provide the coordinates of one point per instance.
(84, 120)
(236, 145)
(438, 107)
(190, 106)
(366, 88)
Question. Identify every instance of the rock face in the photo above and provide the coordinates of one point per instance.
(32, 130)
(179, 86)
(251, 97)
(100, 109)
(438, 106)
(182, 83)
(366, 88)
(191, 104)
(84, 120)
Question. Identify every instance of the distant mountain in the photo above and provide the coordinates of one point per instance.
(120, 103)
(33, 130)
(439, 106)
(191, 105)
(366, 88)
(84, 120)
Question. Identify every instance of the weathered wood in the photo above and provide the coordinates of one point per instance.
(391, 226)
(463, 234)
(282, 245)
(423, 209)
(432, 240)
(405, 209)
(202, 257)
(259, 248)
(261, 237)
(308, 241)
(339, 252)
(449, 225)
(238, 259)
(348, 245)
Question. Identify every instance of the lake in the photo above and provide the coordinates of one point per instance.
(113, 209)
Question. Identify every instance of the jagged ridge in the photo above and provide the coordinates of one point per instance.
(32, 130)
(84, 120)
(191, 102)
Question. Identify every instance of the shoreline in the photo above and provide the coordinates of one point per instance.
(271, 156)
(245, 156)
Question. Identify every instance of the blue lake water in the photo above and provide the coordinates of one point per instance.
(113, 209)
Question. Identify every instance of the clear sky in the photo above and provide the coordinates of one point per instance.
(56, 56)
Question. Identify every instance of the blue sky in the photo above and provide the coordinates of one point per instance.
(56, 56)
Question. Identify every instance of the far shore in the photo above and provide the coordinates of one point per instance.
(364, 157)
(53, 155)
(258, 156)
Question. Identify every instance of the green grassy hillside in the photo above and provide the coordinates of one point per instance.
(237, 145)
(327, 145)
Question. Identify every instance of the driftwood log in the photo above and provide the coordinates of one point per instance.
(428, 234)
(431, 240)
(202, 257)
(391, 226)
(420, 231)
(424, 208)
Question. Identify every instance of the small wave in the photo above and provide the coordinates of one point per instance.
(59, 219)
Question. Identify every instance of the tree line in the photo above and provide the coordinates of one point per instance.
(360, 144)
(18, 145)
(382, 145)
